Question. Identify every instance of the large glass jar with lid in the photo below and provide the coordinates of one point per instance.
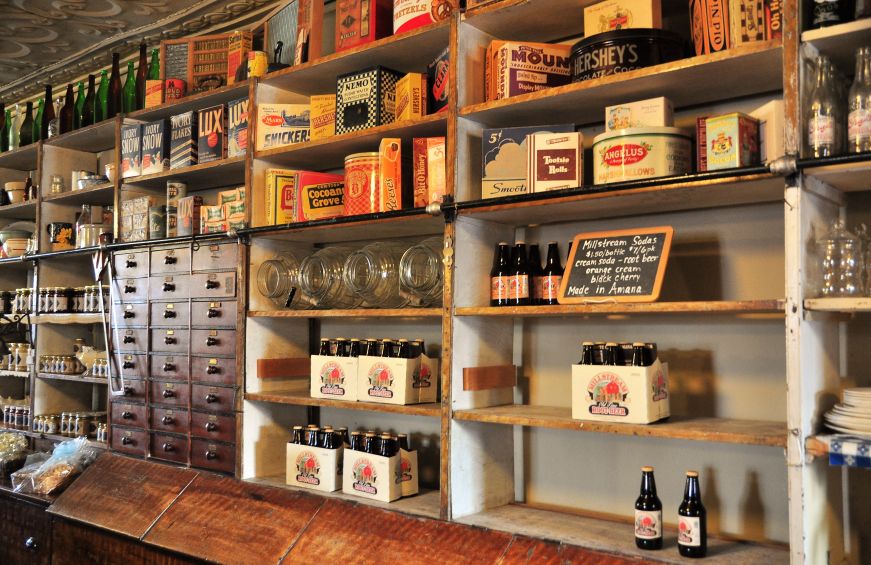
(372, 273)
(840, 262)
(278, 280)
(420, 272)
(321, 278)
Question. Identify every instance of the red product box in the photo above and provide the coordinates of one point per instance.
(362, 21)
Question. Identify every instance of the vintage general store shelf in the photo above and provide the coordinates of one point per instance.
(302, 398)
(94, 138)
(775, 306)
(23, 210)
(17, 374)
(350, 313)
(73, 378)
(89, 318)
(529, 20)
(216, 174)
(688, 192)
(330, 153)
(408, 52)
(615, 537)
(196, 101)
(847, 173)
(752, 69)
(103, 193)
(839, 42)
(721, 430)
(425, 503)
(861, 304)
(21, 159)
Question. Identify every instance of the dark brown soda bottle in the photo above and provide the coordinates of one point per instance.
(324, 348)
(370, 443)
(552, 275)
(499, 275)
(47, 113)
(403, 442)
(115, 98)
(68, 111)
(612, 354)
(356, 443)
(404, 349)
(518, 278)
(296, 437)
(354, 348)
(640, 356)
(648, 513)
(311, 436)
(692, 527)
(587, 353)
(535, 273)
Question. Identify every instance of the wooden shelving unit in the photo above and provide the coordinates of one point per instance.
(22, 159)
(192, 102)
(20, 210)
(351, 313)
(846, 177)
(302, 398)
(92, 139)
(839, 42)
(846, 305)
(73, 378)
(225, 172)
(726, 307)
(80, 318)
(103, 193)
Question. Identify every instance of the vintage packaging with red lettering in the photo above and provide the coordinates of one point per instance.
(362, 21)
(518, 68)
(430, 176)
(412, 14)
(710, 25)
(438, 81)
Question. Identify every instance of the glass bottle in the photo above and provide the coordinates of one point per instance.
(14, 121)
(320, 277)
(822, 114)
(648, 513)
(4, 128)
(859, 104)
(48, 114)
(154, 67)
(499, 275)
(372, 273)
(840, 261)
(552, 275)
(115, 100)
(518, 277)
(141, 76)
(535, 273)
(826, 13)
(79, 105)
(25, 135)
(68, 112)
(420, 272)
(89, 111)
(101, 104)
(129, 93)
(692, 535)
(37, 122)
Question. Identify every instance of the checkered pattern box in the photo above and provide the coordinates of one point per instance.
(366, 99)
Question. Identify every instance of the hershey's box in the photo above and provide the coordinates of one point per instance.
(237, 127)
(411, 97)
(365, 99)
(372, 476)
(183, 140)
(314, 468)
(334, 377)
(609, 393)
(212, 139)
(556, 161)
(280, 125)
(155, 147)
(505, 158)
(131, 150)
(390, 380)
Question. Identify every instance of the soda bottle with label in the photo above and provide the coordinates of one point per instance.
(535, 273)
(826, 13)
(692, 534)
(552, 275)
(518, 279)
(859, 118)
(822, 114)
(499, 275)
(648, 513)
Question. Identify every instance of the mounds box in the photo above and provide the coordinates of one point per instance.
(622, 14)
(390, 380)
(732, 141)
(362, 21)
(365, 99)
(183, 140)
(504, 154)
(514, 68)
(212, 138)
(155, 147)
(429, 168)
(380, 478)
(314, 468)
(237, 127)
(616, 393)
(280, 125)
(334, 377)
(131, 150)
(438, 82)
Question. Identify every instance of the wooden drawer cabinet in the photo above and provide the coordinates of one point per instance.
(215, 427)
(130, 441)
(213, 398)
(214, 314)
(130, 315)
(129, 290)
(169, 394)
(213, 285)
(170, 341)
(217, 370)
(170, 367)
(169, 287)
(169, 420)
(169, 447)
(170, 314)
(213, 455)
(176, 260)
(132, 415)
(131, 365)
(134, 389)
(131, 265)
(213, 342)
(131, 339)
(220, 257)
(25, 533)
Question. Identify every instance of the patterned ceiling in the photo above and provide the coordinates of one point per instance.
(56, 41)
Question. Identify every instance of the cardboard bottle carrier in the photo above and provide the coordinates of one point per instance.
(314, 468)
(386, 380)
(380, 478)
(608, 393)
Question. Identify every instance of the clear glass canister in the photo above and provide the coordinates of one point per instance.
(841, 263)
(372, 273)
(320, 277)
(278, 280)
(420, 272)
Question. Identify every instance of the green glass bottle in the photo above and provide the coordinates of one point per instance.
(129, 93)
(37, 123)
(154, 67)
(7, 140)
(80, 105)
(101, 106)
(4, 128)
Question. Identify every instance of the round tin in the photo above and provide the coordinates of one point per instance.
(157, 221)
(640, 153)
(258, 62)
(623, 50)
(361, 184)
(174, 89)
(412, 14)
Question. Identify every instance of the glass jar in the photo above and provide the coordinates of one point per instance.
(51, 425)
(42, 301)
(840, 257)
(420, 272)
(278, 280)
(372, 273)
(320, 277)
(13, 356)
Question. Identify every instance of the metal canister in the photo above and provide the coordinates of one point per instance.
(258, 62)
(361, 183)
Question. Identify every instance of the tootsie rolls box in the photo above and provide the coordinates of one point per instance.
(505, 158)
(616, 393)
(334, 377)
(314, 468)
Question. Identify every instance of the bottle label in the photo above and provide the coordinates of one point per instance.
(537, 287)
(550, 287)
(826, 11)
(689, 531)
(648, 524)
(499, 288)
(859, 125)
(518, 287)
(821, 131)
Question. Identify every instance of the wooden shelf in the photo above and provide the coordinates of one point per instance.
(839, 42)
(89, 318)
(21, 211)
(848, 305)
(775, 306)
(407, 52)
(302, 398)
(817, 446)
(217, 174)
(721, 430)
(103, 193)
(93, 139)
(330, 153)
(21, 159)
(529, 20)
(196, 101)
(386, 225)
(350, 313)
(754, 68)
(17, 374)
(691, 192)
(73, 378)
(425, 503)
(846, 177)
(612, 536)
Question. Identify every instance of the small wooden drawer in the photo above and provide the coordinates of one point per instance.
(170, 367)
(129, 289)
(131, 264)
(130, 315)
(169, 287)
(213, 285)
(132, 366)
(169, 447)
(170, 341)
(215, 427)
(220, 257)
(131, 441)
(170, 314)
(169, 420)
(213, 455)
(213, 398)
(169, 394)
(214, 314)
(213, 342)
(132, 415)
(216, 370)
(134, 389)
(177, 260)
(131, 339)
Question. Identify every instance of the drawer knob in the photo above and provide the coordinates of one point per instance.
(211, 455)
(127, 365)
(213, 370)
(127, 415)
(211, 426)
(128, 390)
(170, 260)
(168, 340)
(211, 397)
(169, 367)
(128, 314)
(169, 313)
(129, 289)
(131, 264)
(128, 339)
(214, 313)
(167, 420)
(168, 446)
(30, 543)
(168, 287)
(210, 341)
(211, 285)
(168, 393)
(126, 440)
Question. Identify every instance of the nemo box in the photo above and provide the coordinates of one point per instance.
(709, 21)
(155, 147)
(314, 468)
(334, 377)
(365, 99)
(237, 127)
(388, 380)
(360, 22)
(131, 150)
(212, 140)
(616, 393)
(438, 83)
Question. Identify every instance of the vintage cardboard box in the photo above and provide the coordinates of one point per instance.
(653, 112)
(131, 150)
(134, 218)
(429, 168)
(280, 195)
(372, 476)
(701, 144)
(389, 380)
(155, 147)
(174, 191)
(411, 97)
(518, 68)
(280, 125)
(556, 161)
(314, 468)
(608, 393)
(189, 214)
(334, 377)
(183, 140)
(438, 81)
(239, 45)
(237, 127)
(505, 163)
(771, 127)
(709, 25)
(408, 472)
(323, 116)
(733, 141)
(212, 138)
(359, 22)
(390, 174)
(622, 14)
(746, 21)
(773, 19)
(318, 196)
(366, 99)
(153, 93)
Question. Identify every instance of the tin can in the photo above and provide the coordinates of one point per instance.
(623, 50)
(412, 14)
(361, 183)
(157, 221)
(175, 89)
(640, 153)
(257, 64)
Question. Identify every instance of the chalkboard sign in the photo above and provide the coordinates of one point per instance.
(176, 61)
(616, 266)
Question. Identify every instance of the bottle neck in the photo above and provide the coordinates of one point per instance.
(648, 483)
(691, 490)
(552, 255)
(48, 92)
(822, 73)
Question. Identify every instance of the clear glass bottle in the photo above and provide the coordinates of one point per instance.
(320, 276)
(822, 113)
(420, 272)
(859, 104)
(278, 280)
(840, 256)
(372, 273)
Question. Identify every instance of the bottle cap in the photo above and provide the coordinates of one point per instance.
(520, 242)
(503, 243)
(611, 344)
(692, 473)
(403, 340)
(586, 343)
(353, 339)
(637, 344)
(647, 469)
(551, 243)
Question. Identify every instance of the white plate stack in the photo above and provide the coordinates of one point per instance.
(853, 416)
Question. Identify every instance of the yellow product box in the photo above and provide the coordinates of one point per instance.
(411, 97)
(390, 174)
(234, 210)
(235, 195)
(611, 15)
(280, 125)
(208, 213)
(280, 195)
(239, 45)
(323, 116)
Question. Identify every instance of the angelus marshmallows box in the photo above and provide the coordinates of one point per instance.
(505, 158)
(155, 147)
(389, 380)
(314, 468)
(616, 393)
(280, 125)
(334, 377)
(212, 139)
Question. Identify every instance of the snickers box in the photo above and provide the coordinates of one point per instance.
(438, 83)
(131, 150)
(280, 125)
(237, 127)
(212, 138)
(183, 140)
(616, 393)
(366, 99)
(505, 158)
(389, 380)
(314, 468)
(155, 147)
(334, 377)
